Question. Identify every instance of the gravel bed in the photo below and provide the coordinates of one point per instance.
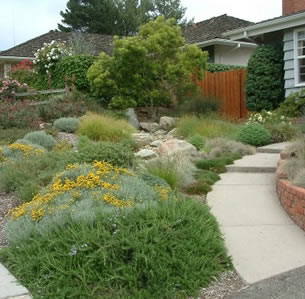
(7, 202)
(228, 283)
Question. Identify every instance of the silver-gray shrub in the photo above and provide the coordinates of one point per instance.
(41, 138)
(67, 124)
(219, 146)
(299, 179)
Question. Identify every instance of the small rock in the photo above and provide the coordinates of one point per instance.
(167, 123)
(146, 154)
(160, 132)
(173, 132)
(43, 126)
(156, 143)
(132, 118)
(142, 139)
(149, 127)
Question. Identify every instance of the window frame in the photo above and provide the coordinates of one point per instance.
(297, 58)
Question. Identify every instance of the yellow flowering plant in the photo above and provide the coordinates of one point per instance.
(100, 183)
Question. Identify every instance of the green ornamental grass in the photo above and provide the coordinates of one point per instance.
(105, 128)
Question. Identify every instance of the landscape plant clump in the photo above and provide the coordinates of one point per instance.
(163, 66)
(98, 184)
(254, 134)
(8, 88)
(40, 138)
(47, 57)
(67, 124)
(197, 141)
(294, 105)
(105, 128)
(199, 105)
(209, 126)
(19, 114)
(61, 107)
(222, 146)
(176, 170)
(73, 66)
(265, 79)
(265, 117)
(128, 253)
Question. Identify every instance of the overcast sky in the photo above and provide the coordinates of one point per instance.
(21, 20)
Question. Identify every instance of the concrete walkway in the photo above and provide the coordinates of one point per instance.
(261, 238)
(10, 288)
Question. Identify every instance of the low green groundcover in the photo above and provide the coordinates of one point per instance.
(167, 249)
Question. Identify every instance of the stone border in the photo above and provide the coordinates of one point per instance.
(291, 197)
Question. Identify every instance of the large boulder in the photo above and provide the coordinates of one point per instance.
(167, 123)
(150, 127)
(177, 147)
(142, 139)
(132, 118)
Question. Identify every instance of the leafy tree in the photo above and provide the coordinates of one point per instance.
(265, 79)
(117, 17)
(149, 69)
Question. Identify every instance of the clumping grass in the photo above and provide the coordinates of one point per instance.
(168, 249)
(105, 128)
(217, 165)
(8, 136)
(208, 127)
(177, 171)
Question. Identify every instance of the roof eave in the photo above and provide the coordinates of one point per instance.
(226, 42)
(268, 26)
(15, 58)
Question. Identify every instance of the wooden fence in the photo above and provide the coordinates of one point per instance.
(229, 88)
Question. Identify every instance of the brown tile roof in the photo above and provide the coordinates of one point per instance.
(212, 28)
(101, 43)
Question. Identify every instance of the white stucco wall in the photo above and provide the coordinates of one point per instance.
(232, 55)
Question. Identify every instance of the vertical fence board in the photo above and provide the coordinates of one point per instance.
(229, 88)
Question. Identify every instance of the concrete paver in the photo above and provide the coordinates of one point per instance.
(261, 238)
(261, 162)
(273, 148)
(9, 287)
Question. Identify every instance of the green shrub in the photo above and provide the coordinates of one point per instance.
(282, 132)
(265, 79)
(198, 188)
(61, 107)
(197, 141)
(41, 138)
(119, 154)
(215, 67)
(199, 105)
(18, 114)
(207, 127)
(161, 66)
(67, 124)
(167, 250)
(8, 136)
(105, 128)
(76, 65)
(254, 134)
(294, 104)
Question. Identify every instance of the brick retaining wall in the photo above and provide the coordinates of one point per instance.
(292, 199)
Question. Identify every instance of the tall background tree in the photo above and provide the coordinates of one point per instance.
(117, 17)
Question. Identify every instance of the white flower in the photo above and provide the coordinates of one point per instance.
(282, 117)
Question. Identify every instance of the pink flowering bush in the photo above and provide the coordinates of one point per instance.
(8, 88)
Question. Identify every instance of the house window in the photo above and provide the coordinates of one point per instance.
(300, 57)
